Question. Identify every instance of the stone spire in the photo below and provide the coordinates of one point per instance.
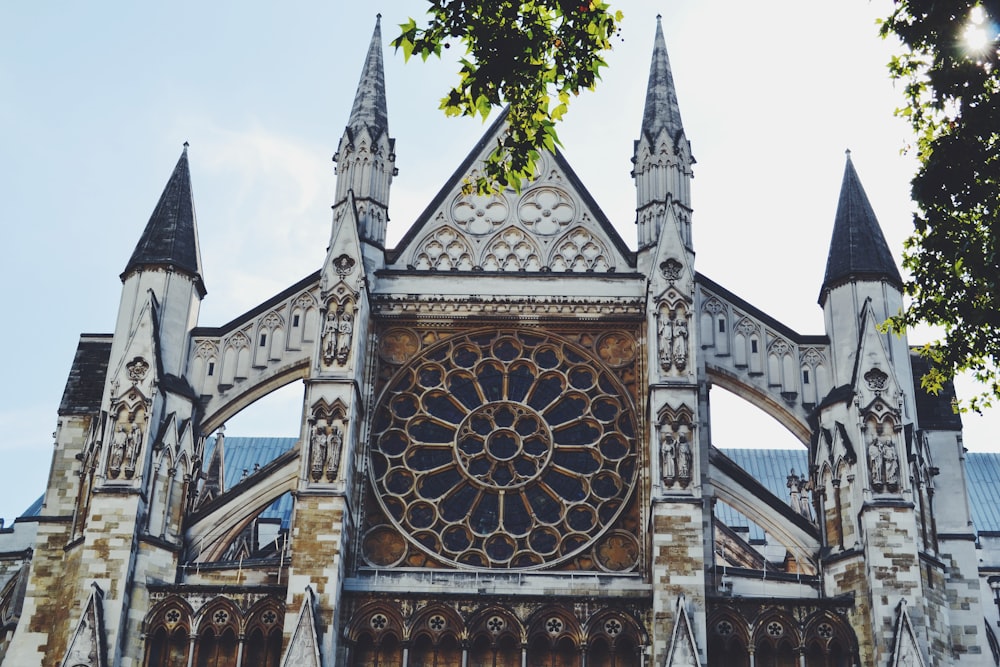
(369, 110)
(366, 159)
(662, 112)
(171, 235)
(662, 157)
(858, 250)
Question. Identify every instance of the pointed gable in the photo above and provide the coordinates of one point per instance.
(171, 235)
(86, 647)
(303, 648)
(858, 249)
(683, 651)
(905, 648)
(662, 111)
(553, 224)
(874, 374)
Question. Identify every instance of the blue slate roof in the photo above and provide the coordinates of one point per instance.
(982, 472)
(242, 454)
(771, 468)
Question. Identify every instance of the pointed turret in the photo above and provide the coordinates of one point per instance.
(860, 270)
(662, 158)
(366, 155)
(858, 250)
(662, 112)
(171, 235)
(369, 110)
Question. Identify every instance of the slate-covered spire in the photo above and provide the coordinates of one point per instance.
(369, 110)
(662, 110)
(858, 250)
(171, 235)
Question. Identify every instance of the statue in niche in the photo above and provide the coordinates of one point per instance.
(133, 444)
(118, 443)
(336, 440)
(317, 451)
(673, 339)
(345, 330)
(891, 462)
(684, 460)
(680, 341)
(668, 454)
(875, 461)
(666, 334)
(329, 340)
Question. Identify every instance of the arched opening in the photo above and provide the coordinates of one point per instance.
(782, 654)
(217, 650)
(168, 649)
(261, 650)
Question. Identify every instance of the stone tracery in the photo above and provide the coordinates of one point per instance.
(504, 449)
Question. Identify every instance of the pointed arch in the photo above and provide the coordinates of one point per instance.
(511, 249)
(444, 249)
(580, 251)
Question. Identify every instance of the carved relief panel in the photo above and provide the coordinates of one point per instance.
(676, 439)
(327, 430)
(127, 427)
(544, 229)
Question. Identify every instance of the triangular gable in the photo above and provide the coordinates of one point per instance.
(672, 267)
(874, 375)
(138, 364)
(905, 649)
(553, 224)
(344, 259)
(87, 644)
(683, 651)
(303, 649)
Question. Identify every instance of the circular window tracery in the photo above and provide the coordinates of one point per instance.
(503, 449)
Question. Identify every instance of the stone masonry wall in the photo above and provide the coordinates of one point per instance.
(678, 568)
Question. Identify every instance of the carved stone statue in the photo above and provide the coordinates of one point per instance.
(345, 329)
(117, 451)
(875, 461)
(666, 334)
(680, 341)
(684, 459)
(891, 461)
(335, 442)
(329, 340)
(133, 444)
(668, 454)
(317, 452)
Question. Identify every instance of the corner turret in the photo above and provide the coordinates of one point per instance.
(662, 155)
(366, 159)
(171, 235)
(861, 274)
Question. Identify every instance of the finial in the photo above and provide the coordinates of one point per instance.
(848, 153)
(378, 18)
(658, 17)
(186, 144)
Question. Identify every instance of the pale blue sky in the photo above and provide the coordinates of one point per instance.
(97, 99)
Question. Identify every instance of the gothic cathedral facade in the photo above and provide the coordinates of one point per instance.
(505, 456)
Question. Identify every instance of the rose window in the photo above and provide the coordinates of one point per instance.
(504, 449)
